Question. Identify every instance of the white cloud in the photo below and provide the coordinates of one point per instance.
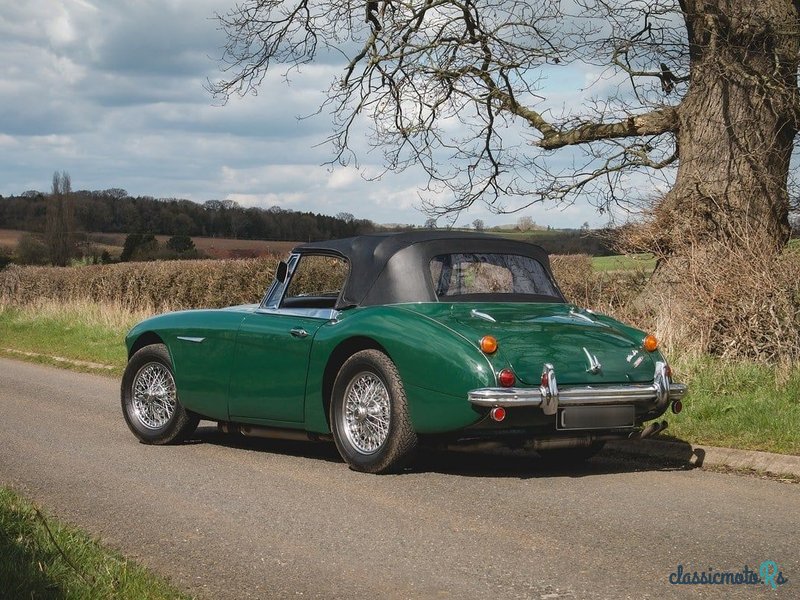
(343, 177)
(113, 92)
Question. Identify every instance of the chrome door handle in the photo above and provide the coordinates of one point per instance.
(299, 332)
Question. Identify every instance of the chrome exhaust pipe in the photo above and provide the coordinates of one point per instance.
(649, 431)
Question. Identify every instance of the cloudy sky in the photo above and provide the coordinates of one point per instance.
(112, 92)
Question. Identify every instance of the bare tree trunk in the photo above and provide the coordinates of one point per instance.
(737, 126)
(728, 211)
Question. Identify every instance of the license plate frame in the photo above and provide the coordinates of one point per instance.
(573, 418)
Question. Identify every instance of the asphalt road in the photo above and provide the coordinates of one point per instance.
(231, 518)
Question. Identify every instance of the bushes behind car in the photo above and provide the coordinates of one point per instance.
(767, 326)
(167, 285)
(216, 283)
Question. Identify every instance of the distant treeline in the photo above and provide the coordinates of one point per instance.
(114, 211)
(573, 241)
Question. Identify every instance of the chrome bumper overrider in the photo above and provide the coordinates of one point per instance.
(549, 397)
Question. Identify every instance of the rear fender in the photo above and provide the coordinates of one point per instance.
(437, 365)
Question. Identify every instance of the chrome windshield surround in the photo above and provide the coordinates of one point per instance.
(329, 314)
(276, 289)
(549, 397)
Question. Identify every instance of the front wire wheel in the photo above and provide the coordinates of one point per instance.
(154, 397)
(369, 414)
(149, 397)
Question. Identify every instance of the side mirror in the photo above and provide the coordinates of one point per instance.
(281, 272)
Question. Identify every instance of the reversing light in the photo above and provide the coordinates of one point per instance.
(488, 344)
(506, 378)
(650, 343)
(498, 413)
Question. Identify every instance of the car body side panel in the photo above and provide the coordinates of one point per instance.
(437, 365)
(201, 344)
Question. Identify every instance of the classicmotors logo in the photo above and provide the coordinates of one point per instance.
(767, 574)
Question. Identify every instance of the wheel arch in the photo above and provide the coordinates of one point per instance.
(344, 350)
(145, 339)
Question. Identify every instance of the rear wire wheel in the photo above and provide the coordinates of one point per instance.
(369, 414)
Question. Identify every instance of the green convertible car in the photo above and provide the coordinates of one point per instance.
(384, 342)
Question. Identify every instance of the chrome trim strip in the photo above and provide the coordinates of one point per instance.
(550, 397)
(482, 315)
(329, 314)
(594, 365)
(195, 340)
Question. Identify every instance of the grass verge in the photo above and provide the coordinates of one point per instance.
(80, 332)
(43, 558)
(738, 405)
(731, 404)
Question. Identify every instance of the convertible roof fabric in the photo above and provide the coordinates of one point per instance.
(388, 268)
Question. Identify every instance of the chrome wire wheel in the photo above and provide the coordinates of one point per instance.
(154, 396)
(366, 415)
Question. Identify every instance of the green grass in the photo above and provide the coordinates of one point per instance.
(738, 405)
(80, 332)
(624, 262)
(43, 558)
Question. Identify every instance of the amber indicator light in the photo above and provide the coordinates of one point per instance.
(488, 344)
(650, 343)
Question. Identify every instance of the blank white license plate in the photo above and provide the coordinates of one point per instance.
(596, 417)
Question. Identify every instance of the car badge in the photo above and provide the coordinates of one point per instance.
(594, 364)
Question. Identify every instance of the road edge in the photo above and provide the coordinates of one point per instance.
(711, 456)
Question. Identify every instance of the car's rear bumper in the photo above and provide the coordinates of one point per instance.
(549, 396)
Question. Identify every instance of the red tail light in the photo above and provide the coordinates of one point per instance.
(498, 413)
(506, 378)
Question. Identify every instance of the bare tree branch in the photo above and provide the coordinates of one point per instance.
(443, 86)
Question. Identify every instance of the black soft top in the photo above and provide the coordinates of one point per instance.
(387, 268)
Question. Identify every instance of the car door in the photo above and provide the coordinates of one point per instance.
(270, 366)
(273, 346)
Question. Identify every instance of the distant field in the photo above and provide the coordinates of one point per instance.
(624, 262)
(226, 247)
(9, 237)
(233, 248)
(213, 247)
(533, 235)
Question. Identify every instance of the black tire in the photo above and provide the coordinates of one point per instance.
(149, 420)
(565, 457)
(394, 444)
